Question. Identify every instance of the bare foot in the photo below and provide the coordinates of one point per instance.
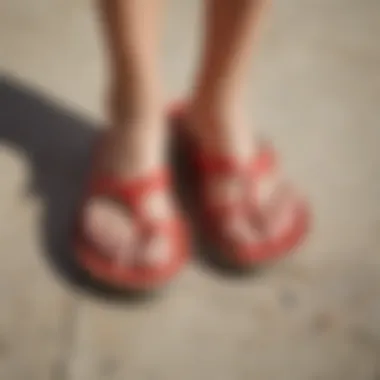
(268, 206)
(129, 153)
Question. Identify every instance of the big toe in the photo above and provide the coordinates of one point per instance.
(282, 214)
(110, 229)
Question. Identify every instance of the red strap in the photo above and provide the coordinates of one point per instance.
(263, 163)
(218, 165)
(129, 192)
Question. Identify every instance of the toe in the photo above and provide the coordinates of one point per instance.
(110, 229)
(157, 252)
(281, 212)
(239, 230)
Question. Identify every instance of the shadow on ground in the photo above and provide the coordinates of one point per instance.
(57, 144)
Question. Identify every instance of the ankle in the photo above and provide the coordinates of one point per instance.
(136, 136)
(220, 125)
(130, 104)
(134, 149)
(216, 107)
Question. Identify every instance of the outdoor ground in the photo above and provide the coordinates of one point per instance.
(315, 91)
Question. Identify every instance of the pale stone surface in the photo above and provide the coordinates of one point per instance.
(315, 91)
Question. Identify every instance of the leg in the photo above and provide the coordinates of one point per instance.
(134, 145)
(217, 122)
(219, 91)
(137, 134)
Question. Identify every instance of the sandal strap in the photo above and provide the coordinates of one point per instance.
(219, 165)
(130, 193)
(263, 163)
(165, 227)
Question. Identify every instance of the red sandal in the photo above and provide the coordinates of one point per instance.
(204, 167)
(132, 195)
